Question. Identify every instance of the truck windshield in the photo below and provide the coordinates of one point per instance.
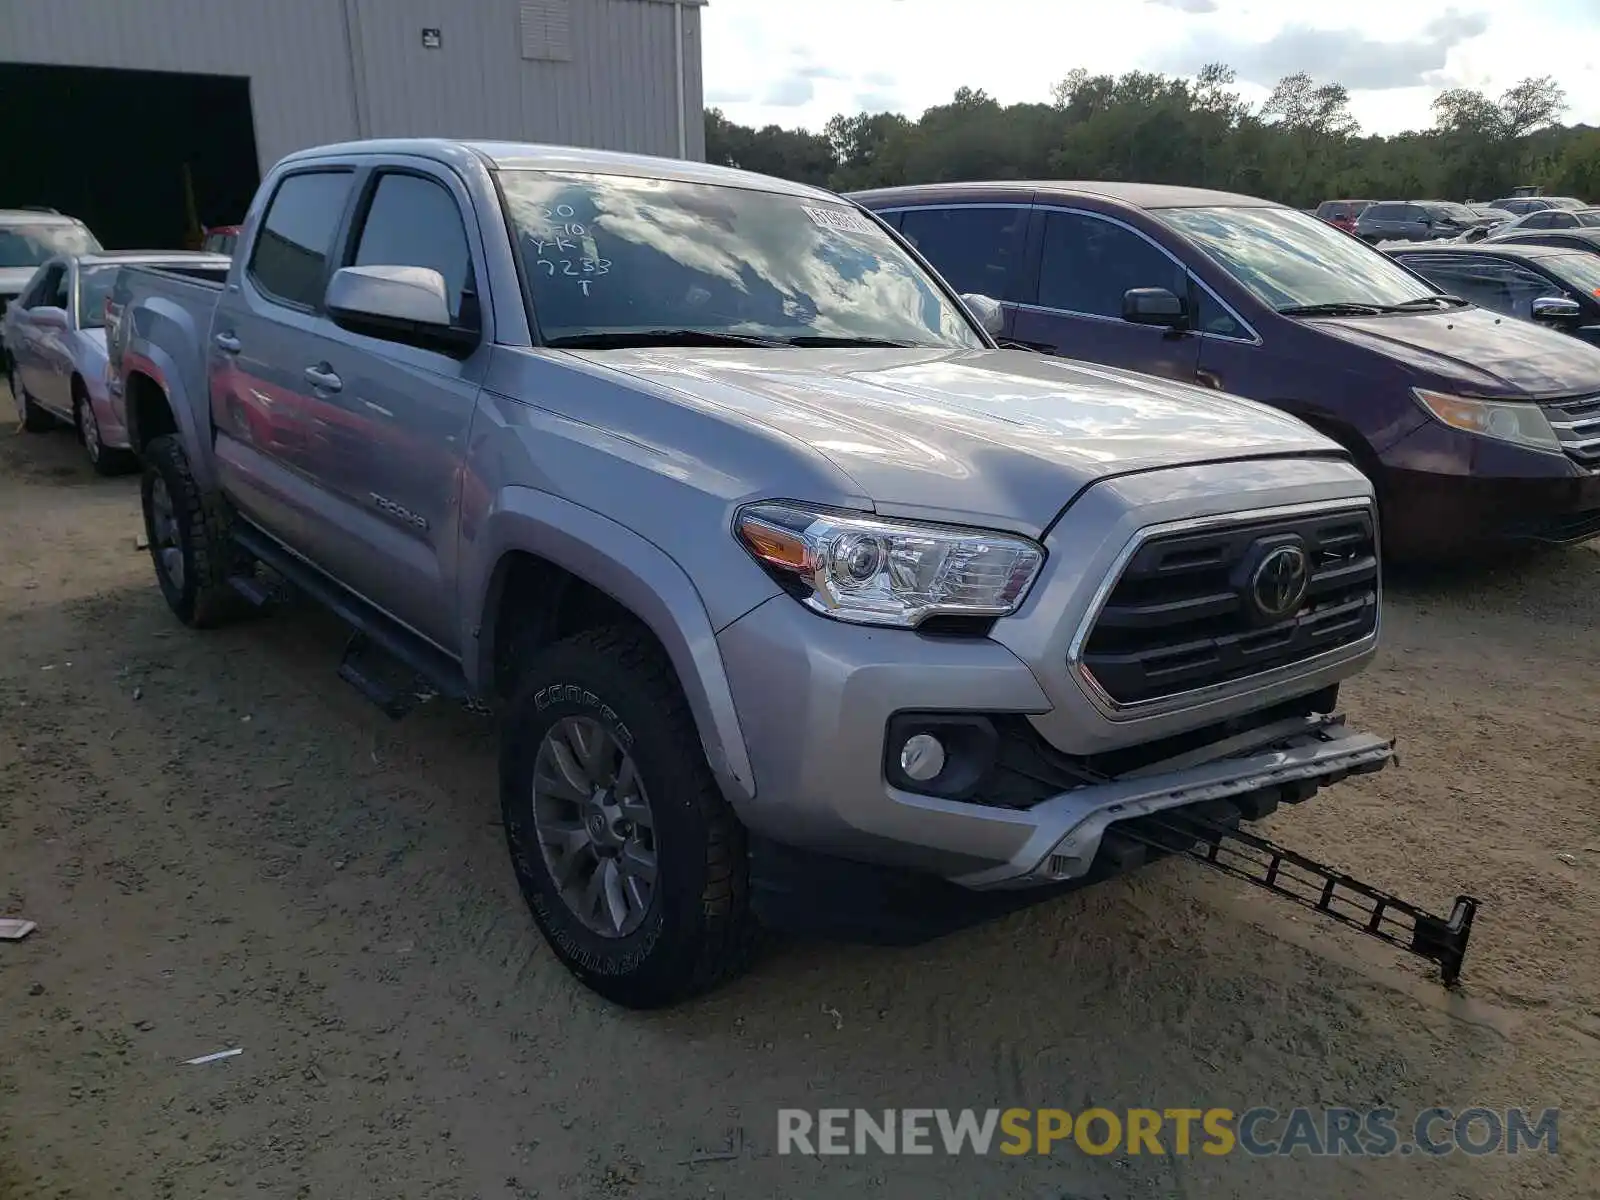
(29, 245)
(626, 259)
(1293, 261)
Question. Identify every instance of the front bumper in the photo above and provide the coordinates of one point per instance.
(1447, 493)
(815, 697)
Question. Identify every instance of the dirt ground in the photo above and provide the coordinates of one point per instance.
(224, 846)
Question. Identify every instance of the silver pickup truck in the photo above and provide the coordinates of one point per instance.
(787, 585)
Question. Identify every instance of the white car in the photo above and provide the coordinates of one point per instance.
(55, 345)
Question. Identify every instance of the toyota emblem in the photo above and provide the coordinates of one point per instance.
(1279, 584)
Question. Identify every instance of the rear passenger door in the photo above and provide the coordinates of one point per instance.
(268, 327)
(977, 248)
(1086, 262)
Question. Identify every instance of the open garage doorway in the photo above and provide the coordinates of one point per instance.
(144, 158)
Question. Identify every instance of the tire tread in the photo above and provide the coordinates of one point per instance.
(729, 935)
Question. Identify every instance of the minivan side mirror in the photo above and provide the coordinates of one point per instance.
(1155, 306)
(54, 318)
(987, 311)
(1556, 308)
(399, 304)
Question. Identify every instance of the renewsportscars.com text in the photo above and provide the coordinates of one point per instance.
(1258, 1132)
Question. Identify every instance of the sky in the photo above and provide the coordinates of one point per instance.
(796, 63)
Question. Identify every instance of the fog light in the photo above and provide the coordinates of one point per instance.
(922, 757)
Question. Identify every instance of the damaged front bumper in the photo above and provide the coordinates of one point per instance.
(1293, 759)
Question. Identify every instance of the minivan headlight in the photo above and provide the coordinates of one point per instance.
(872, 571)
(1522, 422)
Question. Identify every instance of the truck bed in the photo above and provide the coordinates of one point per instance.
(179, 302)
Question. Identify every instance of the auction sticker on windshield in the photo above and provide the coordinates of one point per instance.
(840, 220)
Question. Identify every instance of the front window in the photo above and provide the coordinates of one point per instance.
(94, 285)
(1459, 213)
(29, 245)
(1581, 271)
(1293, 261)
(613, 259)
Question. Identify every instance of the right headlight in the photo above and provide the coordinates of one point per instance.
(871, 570)
(1522, 422)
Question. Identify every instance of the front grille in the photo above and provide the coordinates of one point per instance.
(1181, 616)
(1577, 425)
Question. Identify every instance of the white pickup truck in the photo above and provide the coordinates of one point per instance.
(789, 585)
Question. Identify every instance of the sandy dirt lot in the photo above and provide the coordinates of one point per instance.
(225, 846)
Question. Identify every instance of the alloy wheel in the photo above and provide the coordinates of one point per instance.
(594, 825)
(89, 430)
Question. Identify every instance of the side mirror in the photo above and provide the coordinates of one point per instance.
(1154, 306)
(987, 311)
(49, 316)
(400, 304)
(1556, 308)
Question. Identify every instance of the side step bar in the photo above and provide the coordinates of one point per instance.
(1310, 884)
(378, 641)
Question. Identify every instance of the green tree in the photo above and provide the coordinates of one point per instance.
(1302, 146)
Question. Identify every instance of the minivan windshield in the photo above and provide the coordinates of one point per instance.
(621, 260)
(1293, 261)
(29, 244)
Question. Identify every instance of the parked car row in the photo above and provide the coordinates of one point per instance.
(1473, 428)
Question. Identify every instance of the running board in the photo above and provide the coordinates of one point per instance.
(383, 660)
(1312, 885)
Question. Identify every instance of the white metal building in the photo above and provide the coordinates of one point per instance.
(615, 74)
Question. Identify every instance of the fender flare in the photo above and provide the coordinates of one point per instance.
(142, 357)
(636, 573)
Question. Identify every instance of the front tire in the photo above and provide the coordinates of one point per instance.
(630, 859)
(34, 418)
(188, 535)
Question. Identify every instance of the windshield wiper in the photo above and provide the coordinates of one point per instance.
(1426, 302)
(1336, 308)
(625, 338)
(823, 339)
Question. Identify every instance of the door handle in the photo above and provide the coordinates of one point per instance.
(227, 343)
(323, 379)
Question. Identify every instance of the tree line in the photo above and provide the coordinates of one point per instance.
(1301, 146)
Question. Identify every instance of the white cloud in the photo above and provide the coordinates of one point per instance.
(797, 63)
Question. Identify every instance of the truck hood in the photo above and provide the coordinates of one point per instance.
(1476, 351)
(998, 435)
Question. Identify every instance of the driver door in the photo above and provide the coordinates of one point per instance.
(41, 340)
(1086, 263)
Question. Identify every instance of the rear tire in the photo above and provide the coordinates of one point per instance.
(34, 418)
(695, 929)
(188, 534)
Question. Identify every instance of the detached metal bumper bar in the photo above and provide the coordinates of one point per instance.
(1312, 885)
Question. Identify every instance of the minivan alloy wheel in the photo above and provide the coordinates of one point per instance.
(595, 829)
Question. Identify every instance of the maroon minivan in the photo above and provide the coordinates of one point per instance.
(1475, 428)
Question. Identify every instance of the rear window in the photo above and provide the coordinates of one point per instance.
(1385, 212)
(290, 259)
